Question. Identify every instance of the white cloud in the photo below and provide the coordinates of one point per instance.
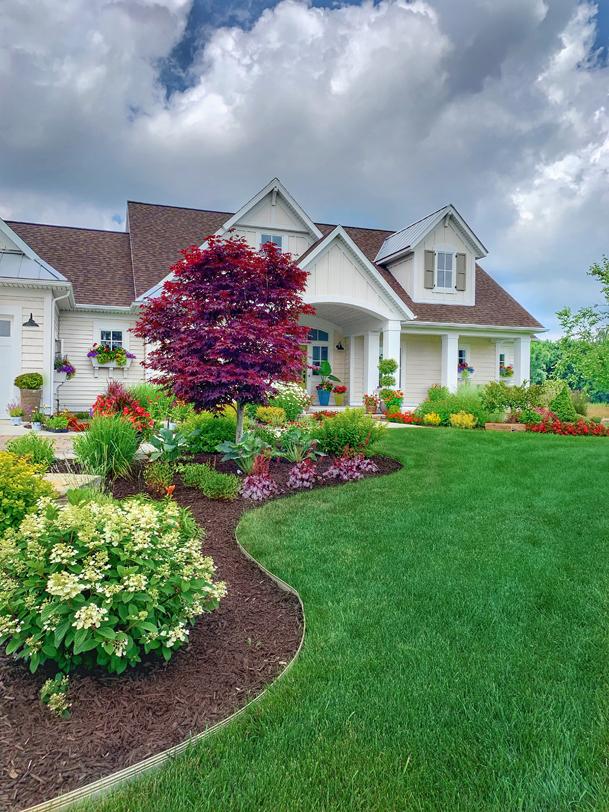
(371, 114)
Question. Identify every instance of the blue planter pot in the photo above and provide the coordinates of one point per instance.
(324, 396)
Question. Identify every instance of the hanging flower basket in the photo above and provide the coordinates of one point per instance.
(102, 355)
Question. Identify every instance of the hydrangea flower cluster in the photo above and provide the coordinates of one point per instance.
(102, 583)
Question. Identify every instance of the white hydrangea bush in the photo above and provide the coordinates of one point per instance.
(102, 583)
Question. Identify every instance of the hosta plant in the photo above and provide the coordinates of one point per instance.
(244, 453)
(102, 583)
(168, 445)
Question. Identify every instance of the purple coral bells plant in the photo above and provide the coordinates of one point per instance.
(302, 475)
(258, 485)
(63, 365)
(350, 467)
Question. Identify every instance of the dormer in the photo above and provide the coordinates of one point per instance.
(434, 259)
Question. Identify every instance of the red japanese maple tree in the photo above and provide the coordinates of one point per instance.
(226, 325)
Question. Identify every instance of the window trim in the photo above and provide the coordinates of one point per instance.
(453, 272)
(273, 236)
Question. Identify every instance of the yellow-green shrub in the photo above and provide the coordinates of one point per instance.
(463, 420)
(273, 415)
(432, 419)
(21, 486)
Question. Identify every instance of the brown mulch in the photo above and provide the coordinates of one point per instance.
(116, 721)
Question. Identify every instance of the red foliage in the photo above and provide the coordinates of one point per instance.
(227, 323)
(117, 400)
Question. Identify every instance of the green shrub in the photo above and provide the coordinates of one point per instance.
(352, 429)
(271, 415)
(563, 407)
(21, 486)
(103, 584)
(157, 401)
(292, 398)
(58, 422)
(437, 392)
(158, 476)
(204, 431)
(580, 402)
(466, 399)
(108, 446)
(213, 484)
(549, 389)
(29, 380)
(38, 450)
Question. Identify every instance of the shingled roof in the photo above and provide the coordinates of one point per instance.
(114, 268)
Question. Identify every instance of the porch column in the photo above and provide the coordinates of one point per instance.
(522, 360)
(391, 346)
(450, 359)
(372, 345)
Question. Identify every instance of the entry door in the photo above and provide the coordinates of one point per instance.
(8, 350)
(318, 350)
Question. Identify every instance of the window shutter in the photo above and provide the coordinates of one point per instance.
(460, 272)
(430, 261)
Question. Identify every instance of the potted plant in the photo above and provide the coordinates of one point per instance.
(339, 394)
(464, 370)
(64, 370)
(506, 371)
(16, 413)
(390, 398)
(371, 404)
(325, 386)
(37, 418)
(58, 423)
(102, 355)
(29, 384)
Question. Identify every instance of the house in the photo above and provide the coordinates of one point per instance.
(416, 295)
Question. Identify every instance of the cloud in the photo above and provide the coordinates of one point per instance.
(372, 114)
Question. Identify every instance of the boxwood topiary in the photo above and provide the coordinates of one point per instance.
(29, 380)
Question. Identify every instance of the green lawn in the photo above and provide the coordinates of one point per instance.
(457, 651)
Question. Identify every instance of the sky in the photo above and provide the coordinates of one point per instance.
(371, 113)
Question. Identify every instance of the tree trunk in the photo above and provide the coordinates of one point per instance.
(240, 413)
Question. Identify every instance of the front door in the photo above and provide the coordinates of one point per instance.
(318, 349)
(8, 351)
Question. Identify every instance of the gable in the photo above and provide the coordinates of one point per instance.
(268, 214)
(337, 274)
(18, 260)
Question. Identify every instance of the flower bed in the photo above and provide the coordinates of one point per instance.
(117, 721)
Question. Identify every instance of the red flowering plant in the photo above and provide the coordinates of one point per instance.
(404, 417)
(580, 428)
(322, 414)
(339, 390)
(226, 325)
(117, 400)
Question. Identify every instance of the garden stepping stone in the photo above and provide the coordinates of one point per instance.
(66, 482)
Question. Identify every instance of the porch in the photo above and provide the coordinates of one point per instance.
(352, 339)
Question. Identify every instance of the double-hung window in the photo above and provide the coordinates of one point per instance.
(276, 239)
(111, 338)
(445, 261)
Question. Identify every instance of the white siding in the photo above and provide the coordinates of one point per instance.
(441, 238)
(421, 355)
(403, 271)
(78, 332)
(336, 275)
(35, 301)
(482, 355)
(295, 244)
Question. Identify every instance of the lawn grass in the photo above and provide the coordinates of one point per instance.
(457, 650)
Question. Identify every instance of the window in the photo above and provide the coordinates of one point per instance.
(501, 360)
(276, 239)
(462, 355)
(444, 270)
(113, 338)
(318, 335)
(5, 328)
(319, 353)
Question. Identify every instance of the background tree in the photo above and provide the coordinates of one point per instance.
(226, 325)
(584, 348)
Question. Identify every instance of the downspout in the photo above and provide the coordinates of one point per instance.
(55, 391)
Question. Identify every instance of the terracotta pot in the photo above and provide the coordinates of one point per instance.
(30, 401)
